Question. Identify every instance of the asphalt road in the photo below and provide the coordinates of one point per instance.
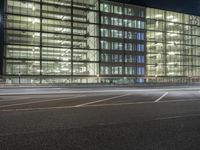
(100, 119)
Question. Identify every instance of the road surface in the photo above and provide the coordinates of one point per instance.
(100, 119)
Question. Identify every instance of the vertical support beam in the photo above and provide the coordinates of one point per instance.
(99, 37)
(185, 58)
(1, 36)
(145, 45)
(124, 41)
(72, 46)
(192, 54)
(41, 42)
(165, 46)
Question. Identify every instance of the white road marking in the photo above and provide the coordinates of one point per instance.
(179, 100)
(102, 100)
(139, 103)
(27, 103)
(97, 105)
(120, 104)
(176, 117)
(20, 98)
(40, 108)
(157, 100)
(70, 107)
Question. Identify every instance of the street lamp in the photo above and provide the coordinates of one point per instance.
(156, 76)
(97, 78)
(19, 75)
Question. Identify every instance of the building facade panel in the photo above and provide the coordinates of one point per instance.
(96, 41)
(172, 45)
(51, 41)
(122, 43)
(1, 36)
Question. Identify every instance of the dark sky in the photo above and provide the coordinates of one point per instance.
(186, 6)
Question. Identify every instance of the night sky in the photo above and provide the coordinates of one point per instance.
(185, 6)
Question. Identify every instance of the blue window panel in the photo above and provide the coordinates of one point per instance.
(140, 36)
(140, 70)
(141, 25)
(140, 80)
(140, 47)
(140, 59)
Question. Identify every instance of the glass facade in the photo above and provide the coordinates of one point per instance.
(96, 41)
(173, 46)
(123, 49)
(1, 41)
(51, 41)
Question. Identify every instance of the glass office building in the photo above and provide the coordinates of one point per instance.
(173, 46)
(123, 51)
(51, 41)
(96, 41)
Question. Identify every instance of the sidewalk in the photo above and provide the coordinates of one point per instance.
(95, 85)
(74, 90)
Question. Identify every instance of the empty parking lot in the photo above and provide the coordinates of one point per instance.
(101, 118)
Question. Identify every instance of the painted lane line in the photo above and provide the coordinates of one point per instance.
(118, 104)
(27, 98)
(38, 109)
(35, 102)
(179, 100)
(101, 100)
(177, 117)
(17, 99)
(95, 105)
(70, 107)
(165, 94)
(139, 103)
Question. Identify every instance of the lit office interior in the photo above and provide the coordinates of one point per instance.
(173, 46)
(45, 44)
(122, 43)
(69, 41)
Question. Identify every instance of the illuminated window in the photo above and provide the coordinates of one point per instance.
(104, 32)
(105, 7)
(140, 47)
(104, 20)
(140, 70)
(104, 45)
(140, 59)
